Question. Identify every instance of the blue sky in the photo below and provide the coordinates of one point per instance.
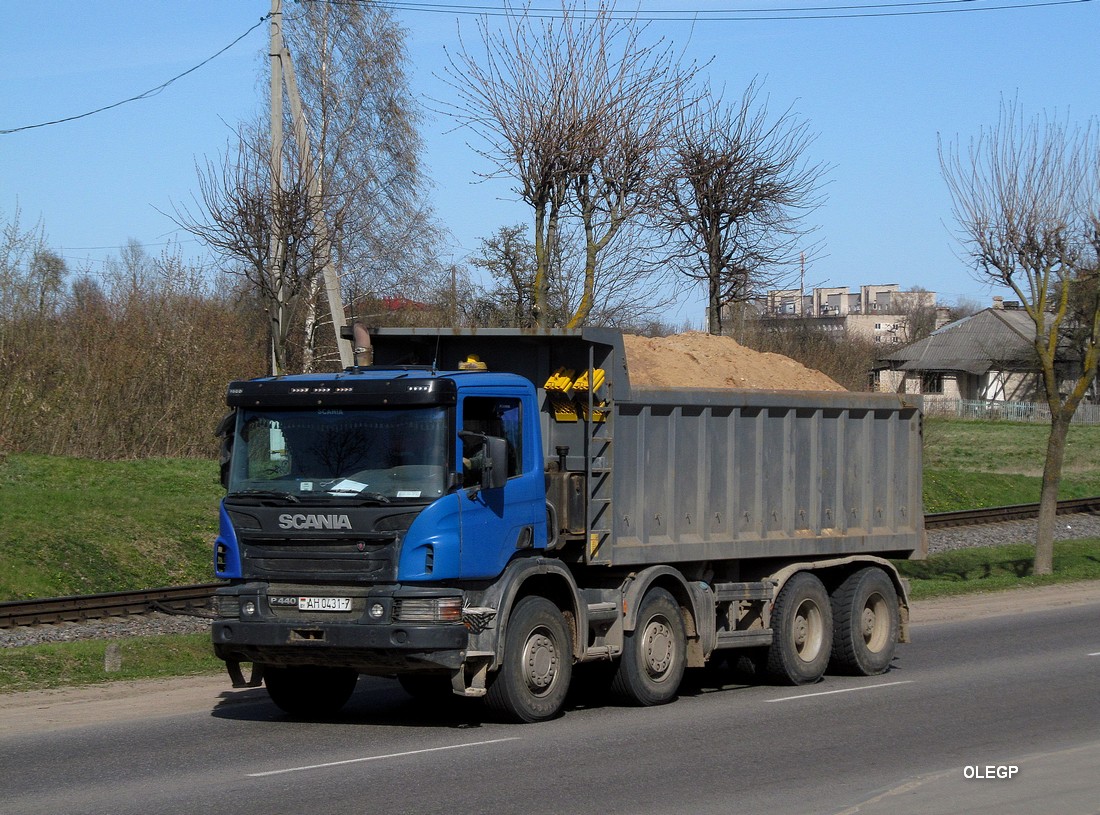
(878, 91)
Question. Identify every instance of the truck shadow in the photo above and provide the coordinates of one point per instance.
(376, 701)
(383, 702)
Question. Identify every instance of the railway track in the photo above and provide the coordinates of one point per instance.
(196, 600)
(1016, 512)
(193, 600)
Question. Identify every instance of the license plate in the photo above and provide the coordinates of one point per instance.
(324, 604)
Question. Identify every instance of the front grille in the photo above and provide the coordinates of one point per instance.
(366, 558)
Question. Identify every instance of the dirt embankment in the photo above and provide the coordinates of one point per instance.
(698, 360)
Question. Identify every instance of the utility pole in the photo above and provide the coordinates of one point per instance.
(332, 281)
(801, 284)
(275, 245)
(280, 59)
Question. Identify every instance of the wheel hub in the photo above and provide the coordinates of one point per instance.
(868, 623)
(808, 631)
(657, 647)
(875, 622)
(800, 627)
(540, 662)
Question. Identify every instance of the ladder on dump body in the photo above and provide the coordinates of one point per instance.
(598, 477)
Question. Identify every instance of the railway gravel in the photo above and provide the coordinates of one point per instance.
(1068, 527)
(939, 540)
(108, 628)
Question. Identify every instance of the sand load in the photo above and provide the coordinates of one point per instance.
(698, 360)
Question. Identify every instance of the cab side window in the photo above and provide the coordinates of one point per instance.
(492, 416)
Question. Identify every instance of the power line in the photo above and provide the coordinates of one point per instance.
(902, 9)
(146, 95)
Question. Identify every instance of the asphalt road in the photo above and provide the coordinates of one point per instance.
(965, 699)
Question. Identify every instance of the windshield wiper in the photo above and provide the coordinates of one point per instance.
(361, 497)
(282, 496)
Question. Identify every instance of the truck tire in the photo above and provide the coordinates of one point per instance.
(309, 690)
(865, 623)
(654, 653)
(802, 632)
(534, 676)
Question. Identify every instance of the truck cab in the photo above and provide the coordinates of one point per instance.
(354, 501)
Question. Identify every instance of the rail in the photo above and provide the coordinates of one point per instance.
(193, 600)
(1016, 512)
(196, 600)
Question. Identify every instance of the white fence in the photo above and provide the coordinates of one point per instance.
(1006, 411)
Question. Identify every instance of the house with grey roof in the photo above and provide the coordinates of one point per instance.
(988, 356)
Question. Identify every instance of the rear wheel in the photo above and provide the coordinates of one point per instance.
(533, 679)
(802, 631)
(309, 690)
(865, 620)
(654, 653)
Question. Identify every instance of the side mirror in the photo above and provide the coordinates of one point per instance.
(490, 461)
(495, 473)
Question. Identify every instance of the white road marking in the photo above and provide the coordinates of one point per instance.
(842, 690)
(378, 758)
(1095, 654)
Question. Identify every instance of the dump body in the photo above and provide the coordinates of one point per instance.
(705, 475)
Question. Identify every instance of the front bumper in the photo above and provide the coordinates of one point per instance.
(369, 649)
(274, 636)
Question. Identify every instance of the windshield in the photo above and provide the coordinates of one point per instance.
(339, 453)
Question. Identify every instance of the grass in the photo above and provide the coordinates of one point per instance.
(84, 662)
(1009, 459)
(77, 526)
(1006, 447)
(74, 526)
(996, 568)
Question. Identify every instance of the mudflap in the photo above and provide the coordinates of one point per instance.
(236, 675)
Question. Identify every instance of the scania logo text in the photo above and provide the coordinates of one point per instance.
(302, 521)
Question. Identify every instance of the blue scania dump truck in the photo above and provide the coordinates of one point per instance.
(478, 511)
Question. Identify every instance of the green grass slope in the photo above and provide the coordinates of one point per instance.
(1008, 458)
(76, 526)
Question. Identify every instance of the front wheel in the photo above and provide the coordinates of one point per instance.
(654, 653)
(802, 631)
(534, 677)
(309, 690)
(865, 618)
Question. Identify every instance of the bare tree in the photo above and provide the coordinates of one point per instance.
(508, 258)
(1027, 200)
(628, 286)
(576, 109)
(31, 280)
(735, 197)
(239, 214)
(350, 192)
(918, 307)
(364, 130)
(32, 276)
